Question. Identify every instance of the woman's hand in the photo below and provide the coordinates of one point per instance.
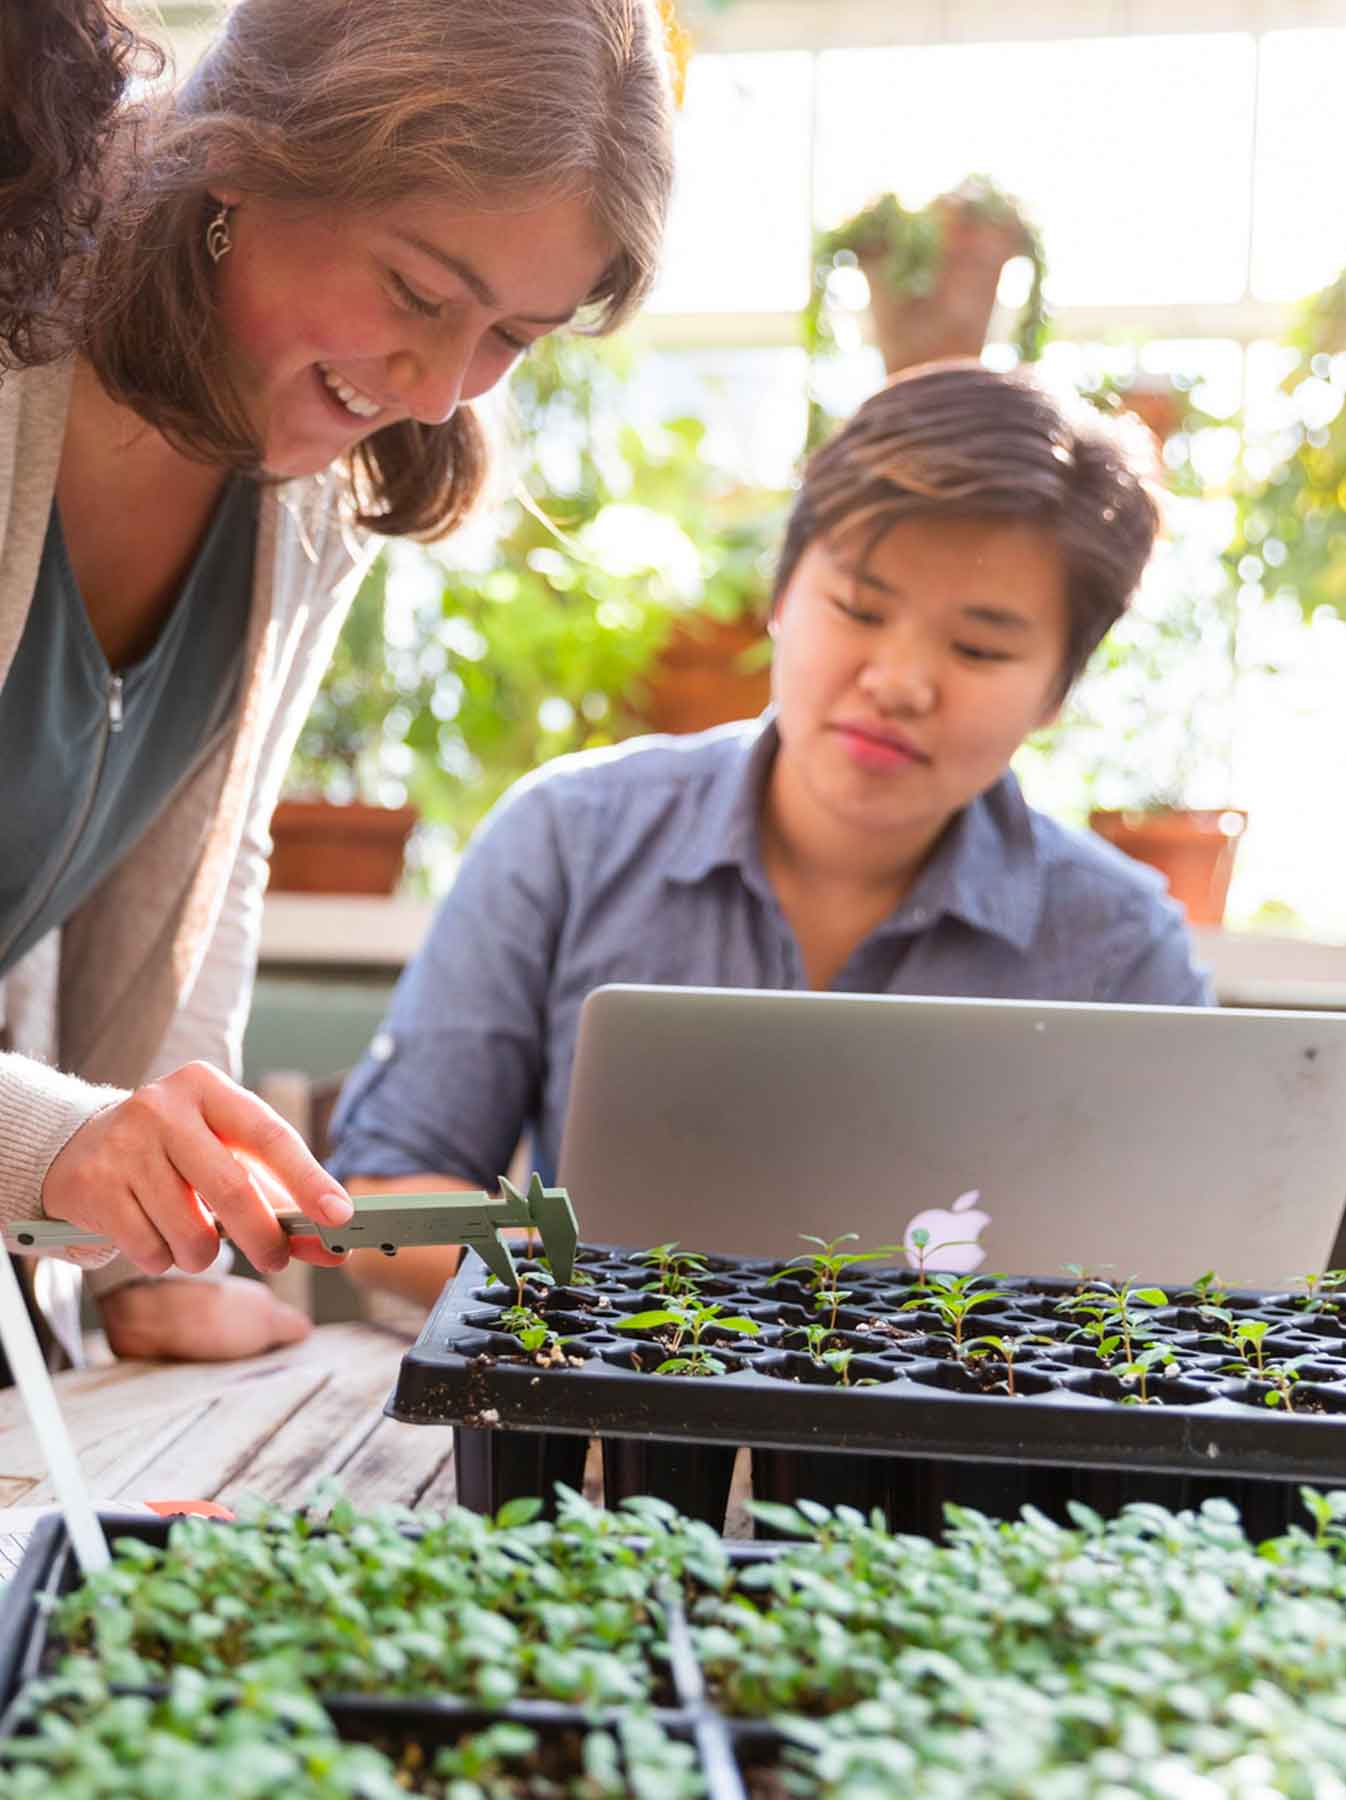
(150, 1172)
(198, 1321)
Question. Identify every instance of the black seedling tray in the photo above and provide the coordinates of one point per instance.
(928, 1431)
(49, 1570)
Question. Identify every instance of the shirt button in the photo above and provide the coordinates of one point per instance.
(381, 1047)
(918, 915)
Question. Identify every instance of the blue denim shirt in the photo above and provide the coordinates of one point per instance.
(642, 863)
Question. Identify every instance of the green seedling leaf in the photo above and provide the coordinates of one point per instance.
(518, 1512)
(699, 1362)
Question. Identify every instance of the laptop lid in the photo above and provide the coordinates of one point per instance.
(1134, 1140)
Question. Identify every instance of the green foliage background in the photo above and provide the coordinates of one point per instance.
(612, 535)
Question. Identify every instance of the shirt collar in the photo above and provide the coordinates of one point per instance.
(722, 831)
(985, 870)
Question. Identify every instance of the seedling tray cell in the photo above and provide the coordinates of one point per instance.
(945, 1426)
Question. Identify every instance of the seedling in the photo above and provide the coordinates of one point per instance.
(1283, 1376)
(1209, 1289)
(536, 1277)
(676, 1273)
(815, 1338)
(822, 1268)
(1140, 1368)
(1007, 1348)
(1082, 1275)
(687, 1320)
(635, 1757)
(1224, 1318)
(954, 1298)
(1116, 1318)
(1323, 1293)
(537, 1337)
(839, 1362)
(578, 1277)
(1246, 1337)
(697, 1361)
(1247, 1340)
(918, 1244)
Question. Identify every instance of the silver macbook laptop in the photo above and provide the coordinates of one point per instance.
(1018, 1136)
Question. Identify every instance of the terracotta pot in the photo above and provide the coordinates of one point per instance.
(320, 848)
(698, 680)
(1159, 408)
(954, 317)
(1194, 850)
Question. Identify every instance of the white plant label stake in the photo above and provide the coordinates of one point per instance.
(39, 1396)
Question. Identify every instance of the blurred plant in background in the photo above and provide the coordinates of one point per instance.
(905, 253)
(1290, 541)
(1151, 725)
(1246, 564)
(929, 278)
(1232, 623)
(466, 665)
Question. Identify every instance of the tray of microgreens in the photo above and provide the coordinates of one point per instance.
(635, 1654)
(837, 1352)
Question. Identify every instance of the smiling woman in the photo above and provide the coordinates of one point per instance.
(316, 131)
(299, 271)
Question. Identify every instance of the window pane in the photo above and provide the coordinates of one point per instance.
(1132, 154)
(738, 238)
(752, 403)
(1299, 240)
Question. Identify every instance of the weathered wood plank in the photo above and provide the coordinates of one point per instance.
(395, 1463)
(322, 1439)
(112, 1460)
(441, 1491)
(737, 1519)
(96, 1402)
(214, 1459)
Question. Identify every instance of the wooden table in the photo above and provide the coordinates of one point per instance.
(271, 1425)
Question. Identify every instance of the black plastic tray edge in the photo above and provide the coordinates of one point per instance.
(1218, 1438)
(370, 1719)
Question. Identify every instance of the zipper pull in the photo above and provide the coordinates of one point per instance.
(114, 702)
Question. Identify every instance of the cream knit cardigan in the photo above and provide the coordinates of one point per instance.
(156, 967)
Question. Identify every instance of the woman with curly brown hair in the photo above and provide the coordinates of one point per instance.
(64, 68)
(344, 227)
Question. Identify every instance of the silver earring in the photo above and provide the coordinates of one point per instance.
(219, 239)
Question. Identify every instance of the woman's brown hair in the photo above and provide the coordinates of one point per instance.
(64, 66)
(356, 103)
(956, 440)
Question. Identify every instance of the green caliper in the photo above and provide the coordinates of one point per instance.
(393, 1222)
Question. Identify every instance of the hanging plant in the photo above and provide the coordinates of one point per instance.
(932, 273)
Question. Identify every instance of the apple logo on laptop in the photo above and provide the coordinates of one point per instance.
(951, 1235)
